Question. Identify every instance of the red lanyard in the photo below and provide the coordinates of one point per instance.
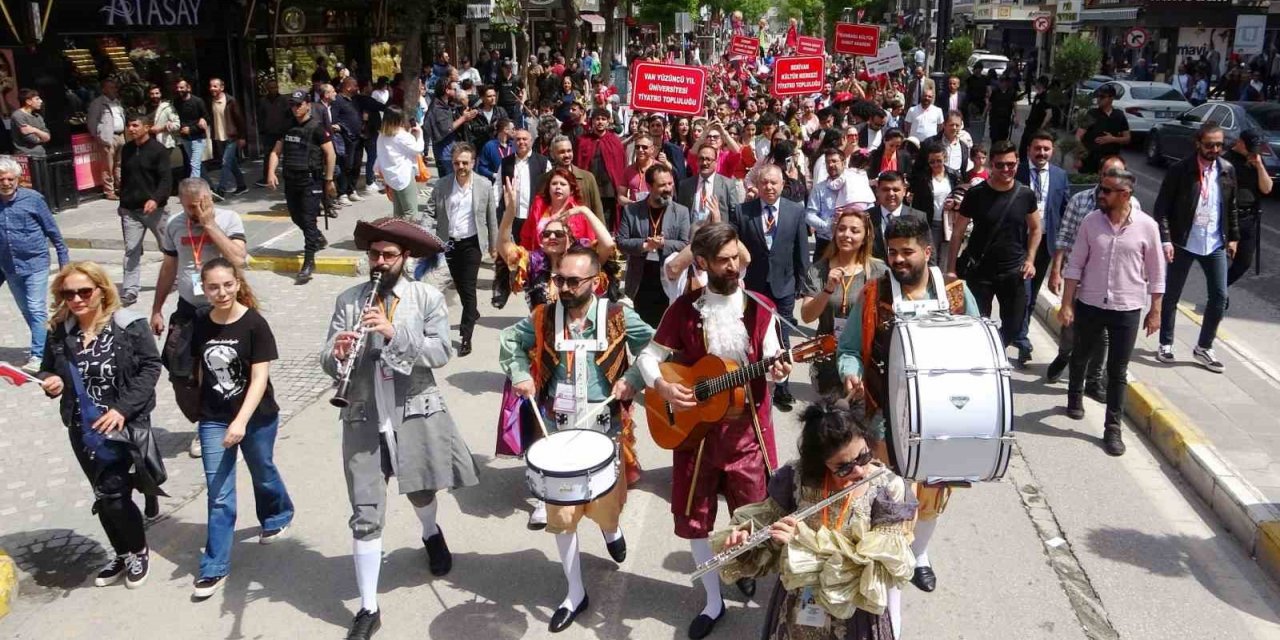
(1204, 185)
(195, 248)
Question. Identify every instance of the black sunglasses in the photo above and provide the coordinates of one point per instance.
(570, 282)
(553, 233)
(83, 293)
(845, 469)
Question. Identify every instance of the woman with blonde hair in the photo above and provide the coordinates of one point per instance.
(233, 347)
(833, 285)
(102, 361)
(400, 145)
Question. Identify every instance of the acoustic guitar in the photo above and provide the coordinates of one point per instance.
(718, 386)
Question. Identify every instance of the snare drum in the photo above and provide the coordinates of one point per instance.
(569, 467)
(950, 406)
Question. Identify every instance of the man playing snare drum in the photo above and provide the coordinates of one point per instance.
(864, 357)
(559, 359)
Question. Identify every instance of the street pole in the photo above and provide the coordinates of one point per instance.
(944, 36)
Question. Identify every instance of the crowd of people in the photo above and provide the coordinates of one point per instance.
(637, 239)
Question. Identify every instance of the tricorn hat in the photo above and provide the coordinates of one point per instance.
(413, 238)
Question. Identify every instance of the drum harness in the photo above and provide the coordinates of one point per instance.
(579, 351)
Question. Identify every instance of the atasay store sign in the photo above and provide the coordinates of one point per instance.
(98, 16)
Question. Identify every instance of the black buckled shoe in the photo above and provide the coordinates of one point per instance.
(747, 586)
(617, 549)
(439, 558)
(783, 400)
(703, 625)
(365, 625)
(562, 618)
(924, 579)
(464, 348)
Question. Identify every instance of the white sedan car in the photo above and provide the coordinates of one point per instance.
(989, 61)
(1147, 104)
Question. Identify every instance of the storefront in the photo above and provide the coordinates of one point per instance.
(291, 48)
(1006, 29)
(137, 42)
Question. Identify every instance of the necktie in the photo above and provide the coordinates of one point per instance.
(702, 200)
(1039, 185)
(770, 221)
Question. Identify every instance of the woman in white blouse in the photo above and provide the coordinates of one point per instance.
(399, 147)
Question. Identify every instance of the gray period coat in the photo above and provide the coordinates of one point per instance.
(430, 453)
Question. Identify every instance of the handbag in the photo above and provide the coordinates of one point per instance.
(423, 174)
(98, 446)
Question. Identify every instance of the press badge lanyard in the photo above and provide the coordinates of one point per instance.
(196, 249)
(577, 360)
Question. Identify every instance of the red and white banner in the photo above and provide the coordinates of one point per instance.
(744, 47)
(810, 46)
(797, 75)
(857, 39)
(668, 88)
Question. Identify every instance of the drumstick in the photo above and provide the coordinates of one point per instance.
(594, 412)
(537, 414)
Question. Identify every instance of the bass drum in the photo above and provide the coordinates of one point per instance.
(574, 466)
(950, 407)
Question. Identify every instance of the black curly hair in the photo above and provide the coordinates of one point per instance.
(828, 426)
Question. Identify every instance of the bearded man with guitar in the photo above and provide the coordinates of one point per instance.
(734, 455)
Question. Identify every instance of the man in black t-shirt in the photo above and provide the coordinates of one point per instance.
(1106, 130)
(193, 126)
(1252, 184)
(1000, 254)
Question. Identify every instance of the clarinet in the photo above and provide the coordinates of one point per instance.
(345, 367)
(760, 537)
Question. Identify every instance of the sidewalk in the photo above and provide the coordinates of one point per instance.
(275, 243)
(1218, 430)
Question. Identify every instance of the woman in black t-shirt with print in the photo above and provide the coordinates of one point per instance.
(234, 348)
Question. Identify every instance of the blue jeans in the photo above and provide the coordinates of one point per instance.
(271, 499)
(195, 154)
(1215, 276)
(231, 175)
(31, 293)
(371, 156)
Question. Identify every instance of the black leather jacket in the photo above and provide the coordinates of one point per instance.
(134, 395)
(1175, 209)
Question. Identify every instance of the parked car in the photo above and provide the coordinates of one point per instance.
(989, 61)
(1147, 104)
(1172, 141)
(1087, 87)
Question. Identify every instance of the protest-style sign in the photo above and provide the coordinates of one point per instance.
(857, 39)
(668, 88)
(810, 46)
(887, 60)
(744, 47)
(797, 75)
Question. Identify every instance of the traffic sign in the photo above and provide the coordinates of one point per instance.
(1137, 38)
(1043, 24)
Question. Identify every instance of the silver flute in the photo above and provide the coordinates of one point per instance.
(345, 367)
(762, 536)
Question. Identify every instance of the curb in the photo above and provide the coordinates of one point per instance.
(291, 264)
(108, 244)
(1240, 507)
(8, 583)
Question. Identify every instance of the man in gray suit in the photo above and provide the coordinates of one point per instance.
(774, 227)
(467, 218)
(650, 231)
(706, 189)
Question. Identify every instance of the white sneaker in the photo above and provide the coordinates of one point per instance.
(1208, 359)
(538, 518)
(343, 201)
(195, 451)
(272, 536)
(33, 365)
(354, 198)
(206, 587)
(371, 189)
(1165, 353)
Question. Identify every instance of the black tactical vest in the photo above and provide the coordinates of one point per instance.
(301, 155)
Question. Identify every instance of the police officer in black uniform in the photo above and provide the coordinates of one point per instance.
(309, 158)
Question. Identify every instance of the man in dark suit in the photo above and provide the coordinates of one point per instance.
(347, 127)
(1196, 227)
(956, 152)
(919, 86)
(891, 189)
(871, 132)
(1049, 182)
(953, 98)
(524, 169)
(706, 189)
(649, 232)
(774, 226)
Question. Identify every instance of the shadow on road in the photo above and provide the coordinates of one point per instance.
(54, 561)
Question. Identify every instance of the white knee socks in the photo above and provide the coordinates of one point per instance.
(701, 549)
(895, 611)
(567, 543)
(368, 557)
(613, 536)
(427, 515)
(920, 546)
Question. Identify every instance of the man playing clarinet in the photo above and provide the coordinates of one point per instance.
(735, 456)
(395, 422)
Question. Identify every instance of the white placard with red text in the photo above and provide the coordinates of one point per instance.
(887, 60)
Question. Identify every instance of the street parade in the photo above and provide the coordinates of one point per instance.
(799, 320)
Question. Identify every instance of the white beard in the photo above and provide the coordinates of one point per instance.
(726, 334)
